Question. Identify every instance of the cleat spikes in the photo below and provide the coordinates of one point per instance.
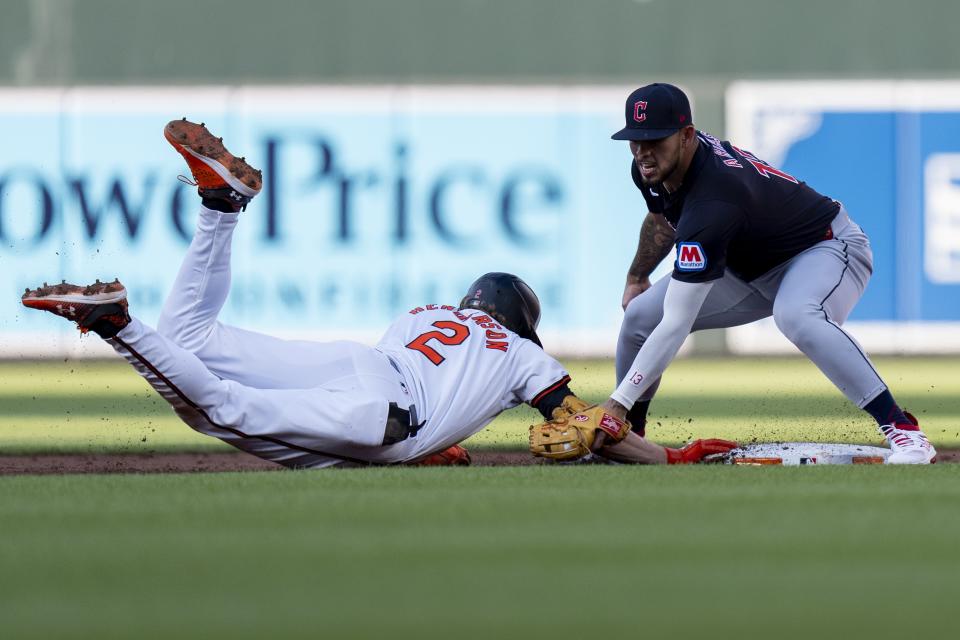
(99, 308)
(217, 174)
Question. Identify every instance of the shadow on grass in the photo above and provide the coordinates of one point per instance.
(701, 406)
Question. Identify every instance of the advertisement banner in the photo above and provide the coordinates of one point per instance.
(375, 200)
(890, 151)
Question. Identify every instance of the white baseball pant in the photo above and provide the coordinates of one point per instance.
(287, 401)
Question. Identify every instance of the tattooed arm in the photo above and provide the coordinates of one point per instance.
(656, 241)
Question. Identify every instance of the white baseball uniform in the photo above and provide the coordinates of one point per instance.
(308, 404)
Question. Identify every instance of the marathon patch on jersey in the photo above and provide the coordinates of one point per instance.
(690, 257)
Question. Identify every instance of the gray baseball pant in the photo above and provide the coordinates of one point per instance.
(809, 297)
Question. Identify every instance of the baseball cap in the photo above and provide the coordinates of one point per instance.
(654, 112)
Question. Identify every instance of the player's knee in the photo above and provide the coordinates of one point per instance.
(178, 333)
(799, 323)
(640, 318)
(167, 327)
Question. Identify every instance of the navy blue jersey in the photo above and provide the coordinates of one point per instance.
(734, 211)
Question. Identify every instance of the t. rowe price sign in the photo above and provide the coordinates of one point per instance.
(375, 200)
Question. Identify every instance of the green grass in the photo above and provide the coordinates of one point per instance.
(537, 551)
(105, 406)
(513, 552)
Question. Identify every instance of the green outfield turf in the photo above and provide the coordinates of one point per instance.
(105, 406)
(531, 552)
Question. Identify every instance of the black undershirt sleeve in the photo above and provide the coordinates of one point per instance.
(549, 401)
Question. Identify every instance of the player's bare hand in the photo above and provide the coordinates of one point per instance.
(614, 408)
(634, 287)
(697, 450)
(599, 442)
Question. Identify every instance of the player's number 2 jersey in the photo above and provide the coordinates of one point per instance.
(465, 368)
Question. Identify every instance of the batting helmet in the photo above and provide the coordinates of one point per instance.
(508, 299)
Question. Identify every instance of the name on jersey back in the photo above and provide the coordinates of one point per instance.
(494, 333)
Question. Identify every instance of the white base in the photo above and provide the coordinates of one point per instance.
(793, 454)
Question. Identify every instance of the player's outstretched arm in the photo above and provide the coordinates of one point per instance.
(681, 305)
(638, 450)
(635, 449)
(575, 432)
(577, 429)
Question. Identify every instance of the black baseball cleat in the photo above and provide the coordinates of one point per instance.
(222, 179)
(100, 307)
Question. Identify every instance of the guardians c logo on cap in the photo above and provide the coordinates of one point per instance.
(654, 112)
(638, 108)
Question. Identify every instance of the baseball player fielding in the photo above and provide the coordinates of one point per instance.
(751, 241)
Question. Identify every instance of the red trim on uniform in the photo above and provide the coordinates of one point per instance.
(556, 385)
(237, 432)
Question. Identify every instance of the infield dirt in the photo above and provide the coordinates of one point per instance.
(97, 463)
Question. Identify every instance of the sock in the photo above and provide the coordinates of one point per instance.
(885, 410)
(638, 416)
(218, 205)
(109, 325)
(105, 329)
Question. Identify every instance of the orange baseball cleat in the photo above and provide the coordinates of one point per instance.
(217, 174)
(455, 456)
(101, 306)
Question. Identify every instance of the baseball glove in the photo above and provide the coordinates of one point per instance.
(570, 405)
(572, 436)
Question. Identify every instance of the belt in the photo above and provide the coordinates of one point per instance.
(401, 423)
(841, 221)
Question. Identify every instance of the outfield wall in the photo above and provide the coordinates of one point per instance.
(70, 42)
(890, 151)
(382, 198)
(376, 200)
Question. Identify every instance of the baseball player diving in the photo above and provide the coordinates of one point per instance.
(751, 241)
(438, 375)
